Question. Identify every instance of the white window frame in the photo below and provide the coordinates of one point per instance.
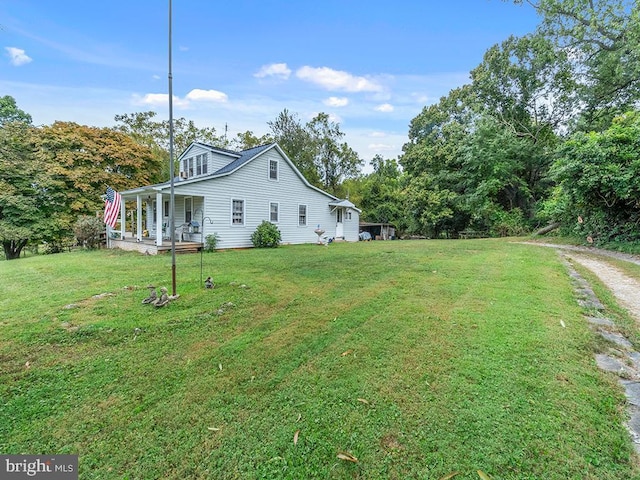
(205, 163)
(242, 201)
(277, 170)
(306, 213)
(277, 212)
(201, 164)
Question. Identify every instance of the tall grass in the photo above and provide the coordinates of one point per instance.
(418, 359)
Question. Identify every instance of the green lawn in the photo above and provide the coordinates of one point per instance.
(419, 358)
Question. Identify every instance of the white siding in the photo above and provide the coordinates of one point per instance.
(215, 160)
(251, 183)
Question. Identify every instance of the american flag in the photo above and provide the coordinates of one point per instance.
(111, 207)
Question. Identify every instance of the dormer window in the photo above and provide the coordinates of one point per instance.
(197, 165)
(273, 170)
(201, 164)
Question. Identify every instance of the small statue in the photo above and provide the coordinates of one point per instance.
(153, 296)
(208, 283)
(164, 298)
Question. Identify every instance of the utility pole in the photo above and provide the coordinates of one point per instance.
(171, 172)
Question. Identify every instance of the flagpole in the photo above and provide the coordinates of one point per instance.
(171, 172)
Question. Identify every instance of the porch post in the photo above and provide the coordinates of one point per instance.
(139, 218)
(123, 219)
(149, 218)
(159, 212)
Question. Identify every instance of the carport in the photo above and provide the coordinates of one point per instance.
(379, 231)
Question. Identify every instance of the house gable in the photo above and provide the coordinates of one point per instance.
(201, 160)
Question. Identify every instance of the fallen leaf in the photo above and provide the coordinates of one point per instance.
(299, 417)
(362, 400)
(562, 323)
(27, 365)
(451, 475)
(213, 429)
(483, 475)
(348, 457)
(220, 366)
(344, 354)
(295, 437)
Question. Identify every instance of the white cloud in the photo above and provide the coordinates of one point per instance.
(377, 134)
(337, 80)
(195, 95)
(198, 94)
(279, 70)
(336, 101)
(385, 107)
(156, 77)
(17, 57)
(158, 100)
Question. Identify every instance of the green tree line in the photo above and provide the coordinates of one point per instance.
(545, 133)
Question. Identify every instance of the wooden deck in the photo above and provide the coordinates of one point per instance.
(148, 245)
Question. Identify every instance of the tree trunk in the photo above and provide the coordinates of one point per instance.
(548, 228)
(13, 248)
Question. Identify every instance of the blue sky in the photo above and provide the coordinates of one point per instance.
(371, 65)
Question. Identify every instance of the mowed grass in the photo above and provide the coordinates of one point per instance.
(418, 358)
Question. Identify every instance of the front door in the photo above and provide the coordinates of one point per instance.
(339, 224)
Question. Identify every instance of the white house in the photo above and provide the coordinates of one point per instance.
(230, 193)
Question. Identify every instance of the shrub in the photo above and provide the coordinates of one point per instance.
(88, 230)
(266, 235)
(210, 242)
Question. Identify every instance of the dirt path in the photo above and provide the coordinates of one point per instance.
(626, 289)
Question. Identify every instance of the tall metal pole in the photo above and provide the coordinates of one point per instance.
(171, 168)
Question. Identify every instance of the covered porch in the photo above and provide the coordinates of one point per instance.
(148, 246)
(146, 227)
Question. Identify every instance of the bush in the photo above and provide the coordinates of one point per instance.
(210, 242)
(88, 230)
(266, 235)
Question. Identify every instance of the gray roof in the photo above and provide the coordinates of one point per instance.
(237, 160)
(245, 156)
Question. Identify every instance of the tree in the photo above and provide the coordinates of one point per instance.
(29, 196)
(83, 161)
(154, 135)
(316, 149)
(292, 136)
(9, 112)
(603, 39)
(334, 160)
(434, 159)
(247, 140)
(526, 84)
(599, 174)
(382, 200)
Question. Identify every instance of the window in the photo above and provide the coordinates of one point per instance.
(273, 212)
(188, 208)
(339, 215)
(201, 164)
(348, 214)
(237, 212)
(273, 169)
(302, 215)
(187, 167)
(166, 208)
